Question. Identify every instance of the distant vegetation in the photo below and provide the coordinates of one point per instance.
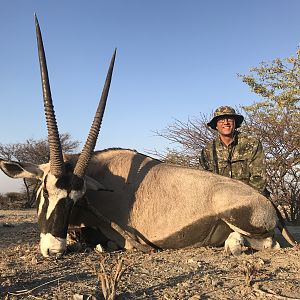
(33, 151)
(13, 200)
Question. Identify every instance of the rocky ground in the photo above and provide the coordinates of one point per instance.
(201, 273)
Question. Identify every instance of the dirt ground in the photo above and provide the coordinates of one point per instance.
(199, 273)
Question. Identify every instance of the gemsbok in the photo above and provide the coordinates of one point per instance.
(136, 200)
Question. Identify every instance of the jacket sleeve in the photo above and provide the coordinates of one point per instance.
(205, 160)
(257, 168)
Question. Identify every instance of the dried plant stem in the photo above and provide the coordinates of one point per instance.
(23, 292)
(270, 293)
(249, 271)
(109, 282)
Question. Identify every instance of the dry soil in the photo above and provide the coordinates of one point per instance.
(192, 273)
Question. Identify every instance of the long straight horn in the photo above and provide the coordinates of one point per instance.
(56, 157)
(90, 143)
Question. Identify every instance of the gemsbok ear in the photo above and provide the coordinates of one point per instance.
(21, 170)
(92, 184)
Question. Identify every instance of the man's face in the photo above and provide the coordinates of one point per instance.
(226, 126)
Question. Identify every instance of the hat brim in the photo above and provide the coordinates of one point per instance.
(238, 120)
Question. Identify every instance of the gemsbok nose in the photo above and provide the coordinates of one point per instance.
(52, 246)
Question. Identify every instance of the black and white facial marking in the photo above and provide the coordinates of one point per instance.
(56, 198)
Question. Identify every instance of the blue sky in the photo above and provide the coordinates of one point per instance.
(175, 59)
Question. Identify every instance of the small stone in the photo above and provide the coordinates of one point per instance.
(99, 248)
(34, 260)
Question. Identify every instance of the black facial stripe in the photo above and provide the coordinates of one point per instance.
(63, 182)
(77, 183)
(42, 221)
(69, 183)
(69, 168)
(45, 181)
(57, 223)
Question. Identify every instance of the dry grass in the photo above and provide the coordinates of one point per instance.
(192, 273)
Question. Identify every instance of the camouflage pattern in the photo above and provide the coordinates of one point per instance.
(225, 111)
(243, 159)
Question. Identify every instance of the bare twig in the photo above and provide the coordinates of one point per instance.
(272, 294)
(23, 292)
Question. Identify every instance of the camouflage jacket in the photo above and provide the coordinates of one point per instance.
(243, 159)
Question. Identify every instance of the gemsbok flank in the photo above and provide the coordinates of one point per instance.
(153, 203)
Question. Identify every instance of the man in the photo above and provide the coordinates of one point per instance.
(232, 153)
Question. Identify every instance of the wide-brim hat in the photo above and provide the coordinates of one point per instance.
(225, 111)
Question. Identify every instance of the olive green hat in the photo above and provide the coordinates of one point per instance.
(225, 111)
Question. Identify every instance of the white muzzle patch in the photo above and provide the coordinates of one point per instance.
(52, 245)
